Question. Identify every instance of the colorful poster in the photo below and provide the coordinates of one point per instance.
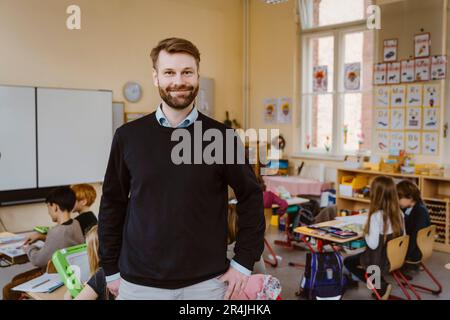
(352, 79)
(382, 119)
(320, 79)
(382, 141)
(397, 141)
(270, 110)
(412, 142)
(438, 67)
(414, 95)
(430, 143)
(382, 97)
(407, 67)
(393, 73)
(422, 43)
(379, 74)
(422, 69)
(414, 118)
(397, 119)
(431, 118)
(432, 95)
(285, 110)
(398, 96)
(390, 50)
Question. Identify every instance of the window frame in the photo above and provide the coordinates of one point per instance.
(339, 32)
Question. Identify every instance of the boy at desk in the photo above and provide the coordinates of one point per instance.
(67, 233)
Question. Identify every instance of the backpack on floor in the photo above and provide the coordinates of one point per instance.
(323, 278)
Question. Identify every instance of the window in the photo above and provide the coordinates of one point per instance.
(320, 13)
(337, 79)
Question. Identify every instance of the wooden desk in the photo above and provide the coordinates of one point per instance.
(326, 237)
(58, 294)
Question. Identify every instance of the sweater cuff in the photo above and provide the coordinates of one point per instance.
(240, 268)
(113, 277)
(110, 269)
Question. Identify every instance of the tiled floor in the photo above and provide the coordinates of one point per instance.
(290, 276)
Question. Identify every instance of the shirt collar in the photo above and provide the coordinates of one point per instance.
(190, 119)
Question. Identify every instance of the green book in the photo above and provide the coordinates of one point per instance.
(41, 229)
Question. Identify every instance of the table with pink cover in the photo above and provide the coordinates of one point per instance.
(296, 185)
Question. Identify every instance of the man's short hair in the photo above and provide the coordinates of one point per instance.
(64, 197)
(175, 45)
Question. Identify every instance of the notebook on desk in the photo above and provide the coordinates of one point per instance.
(47, 283)
(335, 232)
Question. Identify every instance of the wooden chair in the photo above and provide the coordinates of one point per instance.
(396, 253)
(425, 243)
(50, 268)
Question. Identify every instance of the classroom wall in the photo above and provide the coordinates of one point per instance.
(273, 61)
(275, 56)
(402, 20)
(113, 47)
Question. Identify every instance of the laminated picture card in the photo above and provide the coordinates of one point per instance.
(382, 97)
(407, 70)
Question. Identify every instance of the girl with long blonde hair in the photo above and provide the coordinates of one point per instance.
(384, 222)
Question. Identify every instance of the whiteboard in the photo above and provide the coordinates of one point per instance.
(17, 138)
(74, 135)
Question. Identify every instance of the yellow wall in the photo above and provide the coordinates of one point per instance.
(114, 44)
(273, 61)
(112, 48)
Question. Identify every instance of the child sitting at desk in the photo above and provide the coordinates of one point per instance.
(416, 218)
(271, 198)
(67, 233)
(95, 288)
(85, 195)
(385, 222)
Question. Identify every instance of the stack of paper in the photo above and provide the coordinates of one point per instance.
(5, 240)
(46, 283)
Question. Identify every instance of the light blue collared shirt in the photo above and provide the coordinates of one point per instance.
(189, 120)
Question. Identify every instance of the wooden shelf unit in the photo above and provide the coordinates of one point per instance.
(435, 192)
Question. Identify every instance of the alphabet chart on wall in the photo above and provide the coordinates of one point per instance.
(407, 117)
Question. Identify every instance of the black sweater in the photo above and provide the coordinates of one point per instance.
(165, 225)
(87, 220)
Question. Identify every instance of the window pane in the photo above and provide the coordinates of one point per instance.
(318, 13)
(357, 121)
(319, 122)
(359, 48)
(321, 53)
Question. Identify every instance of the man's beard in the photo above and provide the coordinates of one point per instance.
(178, 102)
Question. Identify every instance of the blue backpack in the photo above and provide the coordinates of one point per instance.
(323, 278)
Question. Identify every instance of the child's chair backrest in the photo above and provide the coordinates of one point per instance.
(396, 252)
(51, 267)
(268, 215)
(425, 241)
